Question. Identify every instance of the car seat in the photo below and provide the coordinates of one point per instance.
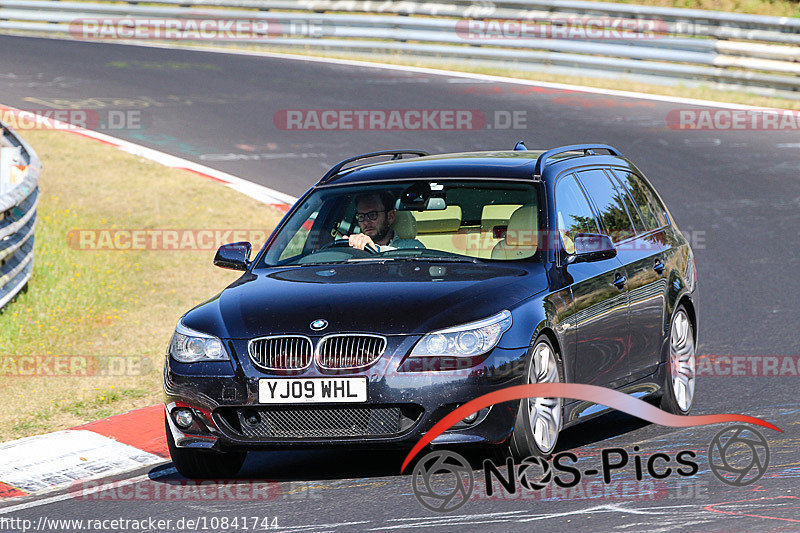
(522, 236)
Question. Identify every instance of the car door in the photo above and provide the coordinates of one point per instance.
(600, 307)
(645, 258)
(640, 253)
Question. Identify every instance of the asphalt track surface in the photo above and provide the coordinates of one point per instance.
(737, 194)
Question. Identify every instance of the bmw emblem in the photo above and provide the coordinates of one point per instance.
(319, 324)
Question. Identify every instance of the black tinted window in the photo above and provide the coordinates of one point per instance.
(653, 212)
(610, 204)
(573, 212)
(630, 205)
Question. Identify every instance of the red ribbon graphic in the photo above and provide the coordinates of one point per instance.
(590, 393)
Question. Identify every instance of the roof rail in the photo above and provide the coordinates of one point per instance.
(587, 149)
(396, 154)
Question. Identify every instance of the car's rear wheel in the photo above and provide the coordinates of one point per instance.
(539, 420)
(202, 464)
(680, 375)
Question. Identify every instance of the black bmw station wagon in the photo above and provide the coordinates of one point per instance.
(395, 291)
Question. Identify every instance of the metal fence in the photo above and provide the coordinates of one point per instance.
(664, 45)
(19, 196)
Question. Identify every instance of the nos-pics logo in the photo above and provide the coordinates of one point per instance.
(443, 481)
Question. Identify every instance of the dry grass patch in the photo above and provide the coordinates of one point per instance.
(114, 308)
(778, 8)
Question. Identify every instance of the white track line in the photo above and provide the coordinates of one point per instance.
(439, 72)
(68, 495)
(248, 188)
(469, 75)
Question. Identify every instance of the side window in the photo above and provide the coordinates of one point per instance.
(630, 205)
(654, 214)
(609, 202)
(298, 240)
(573, 212)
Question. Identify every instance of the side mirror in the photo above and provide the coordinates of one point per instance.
(234, 256)
(591, 247)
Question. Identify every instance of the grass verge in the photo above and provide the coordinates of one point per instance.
(115, 309)
(777, 8)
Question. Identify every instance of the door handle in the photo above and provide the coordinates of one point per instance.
(658, 266)
(620, 281)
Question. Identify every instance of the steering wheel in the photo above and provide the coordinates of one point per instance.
(339, 243)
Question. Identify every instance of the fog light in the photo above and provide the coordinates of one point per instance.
(183, 417)
(252, 418)
(471, 418)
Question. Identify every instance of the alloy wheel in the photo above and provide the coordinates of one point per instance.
(544, 413)
(682, 360)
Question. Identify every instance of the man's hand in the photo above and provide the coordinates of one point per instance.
(361, 241)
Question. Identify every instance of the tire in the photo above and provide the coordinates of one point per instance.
(202, 464)
(680, 370)
(535, 433)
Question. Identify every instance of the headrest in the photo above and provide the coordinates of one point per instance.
(446, 220)
(496, 215)
(405, 226)
(523, 227)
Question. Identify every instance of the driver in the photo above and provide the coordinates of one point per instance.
(375, 215)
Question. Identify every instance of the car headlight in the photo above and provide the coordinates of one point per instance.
(475, 338)
(190, 346)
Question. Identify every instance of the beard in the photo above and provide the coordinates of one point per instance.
(380, 233)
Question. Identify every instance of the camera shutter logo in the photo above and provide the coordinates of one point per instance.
(442, 493)
(526, 468)
(738, 455)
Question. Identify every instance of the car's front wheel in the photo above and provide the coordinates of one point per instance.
(202, 464)
(680, 376)
(539, 420)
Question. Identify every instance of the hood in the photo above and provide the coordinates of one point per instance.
(388, 298)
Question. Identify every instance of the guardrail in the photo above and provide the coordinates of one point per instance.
(19, 196)
(664, 45)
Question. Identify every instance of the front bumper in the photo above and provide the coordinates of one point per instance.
(401, 405)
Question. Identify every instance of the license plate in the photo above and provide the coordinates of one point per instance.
(312, 390)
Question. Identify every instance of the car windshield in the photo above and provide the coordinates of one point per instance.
(445, 220)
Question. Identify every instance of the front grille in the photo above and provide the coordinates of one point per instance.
(319, 422)
(281, 352)
(337, 352)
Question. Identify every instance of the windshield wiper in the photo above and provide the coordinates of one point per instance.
(436, 259)
(320, 263)
(379, 259)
